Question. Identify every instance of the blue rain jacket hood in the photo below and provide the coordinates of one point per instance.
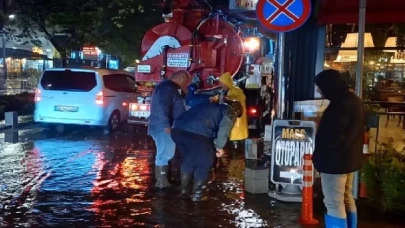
(210, 120)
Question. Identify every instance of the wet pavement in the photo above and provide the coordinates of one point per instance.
(87, 179)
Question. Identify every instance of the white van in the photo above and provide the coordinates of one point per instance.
(94, 97)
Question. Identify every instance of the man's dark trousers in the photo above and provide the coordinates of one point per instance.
(197, 153)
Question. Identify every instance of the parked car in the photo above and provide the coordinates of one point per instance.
(93, 97)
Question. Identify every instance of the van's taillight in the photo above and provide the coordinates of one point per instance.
(37, 95)
(99, 98)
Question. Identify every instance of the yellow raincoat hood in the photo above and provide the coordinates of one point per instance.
(226, 78)
(240, 129)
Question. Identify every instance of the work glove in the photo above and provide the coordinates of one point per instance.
(193, 87)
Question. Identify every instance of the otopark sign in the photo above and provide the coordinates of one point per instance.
(283, 15)
(291, 140)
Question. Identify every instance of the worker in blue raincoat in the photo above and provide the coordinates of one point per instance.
(231, 92)
(198, 133)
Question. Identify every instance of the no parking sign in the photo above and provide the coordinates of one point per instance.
(283, 15)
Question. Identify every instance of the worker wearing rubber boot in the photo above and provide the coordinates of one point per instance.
(339, 148)
(166, 105)
(198, 133)
(232, 92)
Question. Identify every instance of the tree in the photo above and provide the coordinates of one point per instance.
(4, 5)
(123, 25)
(116, 26)
(66, 24)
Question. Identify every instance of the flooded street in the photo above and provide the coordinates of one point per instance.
(87, 179)
(83, 179)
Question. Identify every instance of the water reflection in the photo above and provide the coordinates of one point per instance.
(21, 174)
(235, 199)
(64, 194)
(11, 137)
(107, 181)
(72, 162)
(120, 189)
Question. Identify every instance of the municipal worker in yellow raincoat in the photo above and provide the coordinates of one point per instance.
(232, 92)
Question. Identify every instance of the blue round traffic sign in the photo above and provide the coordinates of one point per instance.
(283, 15)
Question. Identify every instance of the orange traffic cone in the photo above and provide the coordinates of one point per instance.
(366, 143)
(307, 217)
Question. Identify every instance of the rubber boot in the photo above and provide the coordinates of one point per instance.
(199, 191)
(185, 187)
(161, 176)
(351, 220)
(334, 222)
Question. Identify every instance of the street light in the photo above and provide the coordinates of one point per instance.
(3, 39)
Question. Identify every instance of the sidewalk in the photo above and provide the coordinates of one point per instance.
(282, 214)
(368, 217)
(23, 121)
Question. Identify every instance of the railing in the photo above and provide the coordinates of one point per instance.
(384, 113)
(389, 103)
(15, 91)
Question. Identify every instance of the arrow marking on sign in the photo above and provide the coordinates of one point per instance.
(282, 9)
(293, 175)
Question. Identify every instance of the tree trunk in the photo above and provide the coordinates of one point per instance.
(62, 53)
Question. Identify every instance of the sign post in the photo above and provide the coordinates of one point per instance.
(283, 16)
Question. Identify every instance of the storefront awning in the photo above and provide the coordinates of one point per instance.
(347, 11)
(24, 54)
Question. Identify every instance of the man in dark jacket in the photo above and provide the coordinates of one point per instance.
(197, 133)
(339, 148)
(166, 105)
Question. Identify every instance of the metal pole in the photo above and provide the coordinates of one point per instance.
(378, 132)
(359, 74)
(320, 56)
(280, 76)
(360, 48)
(3, 41)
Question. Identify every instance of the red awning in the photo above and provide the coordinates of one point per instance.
(347, 11)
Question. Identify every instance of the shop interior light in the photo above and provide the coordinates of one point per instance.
(346, 56)
(391, 43)
(252, 44)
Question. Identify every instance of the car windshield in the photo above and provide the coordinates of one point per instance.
(69, 81)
